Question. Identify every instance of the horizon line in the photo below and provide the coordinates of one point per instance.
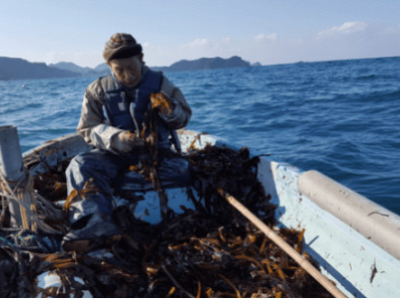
(263, 65)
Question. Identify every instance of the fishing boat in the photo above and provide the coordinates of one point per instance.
(354, 241)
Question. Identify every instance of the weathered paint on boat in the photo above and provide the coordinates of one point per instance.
(359, 266)
(353, 239)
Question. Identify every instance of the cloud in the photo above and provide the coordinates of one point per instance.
(226, 40)
(201, 42)
(344, 29)
(264, 37)
(146, 45)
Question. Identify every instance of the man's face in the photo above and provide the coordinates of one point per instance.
(127, 70)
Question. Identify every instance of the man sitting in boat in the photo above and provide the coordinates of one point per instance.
(114, 113)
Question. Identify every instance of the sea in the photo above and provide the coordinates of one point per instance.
(341, 118)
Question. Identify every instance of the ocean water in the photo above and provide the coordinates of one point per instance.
(339, 117)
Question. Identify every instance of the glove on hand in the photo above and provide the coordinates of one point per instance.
(126, 141)
(160, 102)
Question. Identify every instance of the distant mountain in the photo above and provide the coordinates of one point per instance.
(100, 70)
(183, 65)
(206, 64)
(17, 68)
(69, 66)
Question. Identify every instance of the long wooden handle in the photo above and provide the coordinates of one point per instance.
(306, 265)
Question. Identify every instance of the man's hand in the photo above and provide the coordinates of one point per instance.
(126, 141)
(160, 102)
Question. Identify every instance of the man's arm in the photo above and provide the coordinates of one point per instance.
(180, 110)
(92, 125)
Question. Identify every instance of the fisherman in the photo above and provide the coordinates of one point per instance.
(114, 113)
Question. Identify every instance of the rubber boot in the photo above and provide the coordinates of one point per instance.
(91, 233)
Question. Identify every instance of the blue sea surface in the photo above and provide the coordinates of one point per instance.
(341, 118)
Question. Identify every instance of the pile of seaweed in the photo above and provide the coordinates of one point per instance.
(212, 251)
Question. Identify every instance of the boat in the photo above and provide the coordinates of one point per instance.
(354, 241)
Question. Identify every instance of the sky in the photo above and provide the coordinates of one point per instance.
(264, 31)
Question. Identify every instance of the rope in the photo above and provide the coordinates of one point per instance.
(22, 193)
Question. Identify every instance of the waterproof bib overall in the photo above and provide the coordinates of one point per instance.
(104, 168)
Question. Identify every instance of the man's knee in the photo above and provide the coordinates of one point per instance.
(92, 204)
(95, 165)
(75, 177)
(175, 169)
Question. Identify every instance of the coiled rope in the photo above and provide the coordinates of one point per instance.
(30, 203)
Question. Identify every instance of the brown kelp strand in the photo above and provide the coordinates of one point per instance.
(233, 171)
(52, 185)
(211, 251)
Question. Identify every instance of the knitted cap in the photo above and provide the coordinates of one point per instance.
(121, 45)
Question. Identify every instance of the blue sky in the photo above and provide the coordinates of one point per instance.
(266, 31)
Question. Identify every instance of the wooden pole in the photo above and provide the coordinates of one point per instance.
(306, 265)
(11, 164)
(12, 169)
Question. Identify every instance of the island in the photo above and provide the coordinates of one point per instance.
(206, 64)
(17, 68)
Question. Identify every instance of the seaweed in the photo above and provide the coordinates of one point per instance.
(212, 251)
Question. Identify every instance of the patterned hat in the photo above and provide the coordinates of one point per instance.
(121, 45)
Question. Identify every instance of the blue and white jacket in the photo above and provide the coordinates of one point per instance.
(109, 108)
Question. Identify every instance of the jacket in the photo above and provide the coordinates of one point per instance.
(97, 130)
